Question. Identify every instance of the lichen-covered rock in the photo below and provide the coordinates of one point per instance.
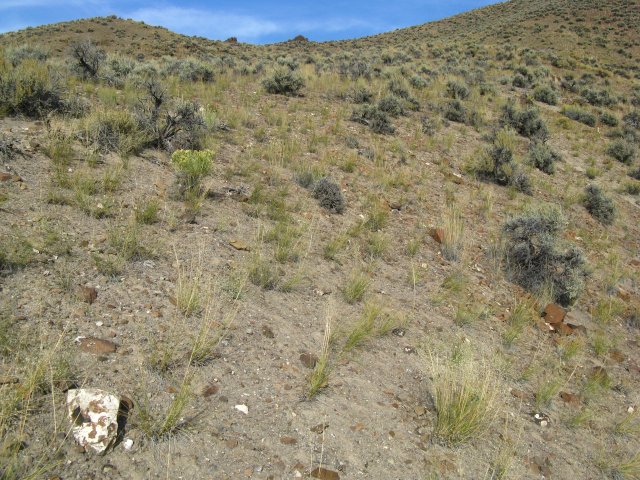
(94, 414)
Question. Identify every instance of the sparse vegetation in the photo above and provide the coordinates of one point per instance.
(412, 180)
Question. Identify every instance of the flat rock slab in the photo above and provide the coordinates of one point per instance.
(324, 474)
(94, 414)
(97, 346)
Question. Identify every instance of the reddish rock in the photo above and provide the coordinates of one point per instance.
(97, 346)
(7, 177)
(617, 356)
(288, 440)
(554, 314)
(564, 329)
(521, 394)
(88, 294)
(324, 474)
(570, 398)
(357, 427)
(210, 390)
(438, 234)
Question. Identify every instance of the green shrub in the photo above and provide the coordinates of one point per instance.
(166, 123)
(418, 82)
(543, 157)
(392, 105)
(361, 95)
(192, 166)
(374, 118)
(190, 70)
(89, 58)
(29, 90)
(457, 90)
(635, 173)
(498, 164)
(537, 260)
(17, 55)
(599, 98)
(113, 131)
(579, 115)
(455, 111)
(526, 122)
(608, 119)
(519, 81)
(632, 119)
(622, 150)
(599, 205)
(284, 82)
(329, 195)
(546, 95)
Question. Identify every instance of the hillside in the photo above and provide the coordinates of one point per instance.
(412, 255)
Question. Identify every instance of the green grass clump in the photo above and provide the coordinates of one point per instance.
(147, 212)
(192, 166)
(355, 287)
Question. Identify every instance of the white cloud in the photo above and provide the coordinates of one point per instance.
(206, 23)
(220, 25)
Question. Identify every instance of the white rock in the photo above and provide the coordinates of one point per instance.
(242, 408)
(127, 444)
(94, 414)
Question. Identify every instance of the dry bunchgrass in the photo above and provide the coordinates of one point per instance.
(453, 226)
(465, 398)
(319, 377)
(189, 286)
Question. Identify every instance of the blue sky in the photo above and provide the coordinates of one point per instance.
(251, 21)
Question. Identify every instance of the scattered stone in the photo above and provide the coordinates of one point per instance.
(357, 427)
(88, 294)
(540, 465)
(541, 419)
(210, 390)
(231, 443)
(127, 444)
(239, 245)
(267, 332)
(570, 398)
(399, 332)
(242, 408)
(324, 474)
(521, 394)
(410, 349)
(309, 360)
(320, 428)
(554, 314)
(420, 410)
(8, 177)
(94, 414)
(96, 346)
(288, 440)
